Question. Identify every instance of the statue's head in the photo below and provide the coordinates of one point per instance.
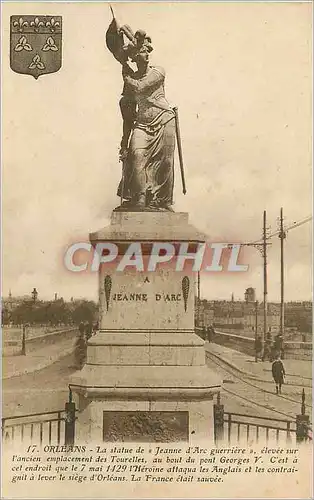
(139, 51)
(142, 56)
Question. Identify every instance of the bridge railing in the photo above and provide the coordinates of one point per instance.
(46, 427)
(258, 429)
(239, 427)
(52, 427)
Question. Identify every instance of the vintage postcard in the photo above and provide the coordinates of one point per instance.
(157, 249)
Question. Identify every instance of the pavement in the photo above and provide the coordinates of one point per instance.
(14, 335)
(36, 359)
(298, 372)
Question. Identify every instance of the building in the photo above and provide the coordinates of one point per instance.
(249, 295)
(237, 315)
(11, 302)
(299, 315)
(204, 314)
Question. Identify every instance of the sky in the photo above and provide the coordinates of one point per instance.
(240, 74)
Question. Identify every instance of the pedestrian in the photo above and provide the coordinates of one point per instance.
(208, 334)
(273, 352)
(88, 330)
(267, 354)
(279, 347)
(211, 332)
(204, 333)
(80, 351)
(81, 328)
(258, 347)
(278, 371)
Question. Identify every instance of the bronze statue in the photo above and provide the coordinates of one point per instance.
(149, 125)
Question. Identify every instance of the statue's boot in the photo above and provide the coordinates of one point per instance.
(155, 205)
(139, 201)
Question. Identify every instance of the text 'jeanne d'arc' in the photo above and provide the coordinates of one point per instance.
(142, 297)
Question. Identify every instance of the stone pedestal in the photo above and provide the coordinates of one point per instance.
(145, 378)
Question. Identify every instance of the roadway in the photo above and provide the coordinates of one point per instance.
(242, 394)
(44, 390)
(47, 390)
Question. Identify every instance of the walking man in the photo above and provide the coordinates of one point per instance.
(267, 354)
(258, 347)
(279, 345)
(278, 372)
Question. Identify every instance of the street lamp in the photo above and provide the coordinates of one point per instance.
(24, 341)
(256, 325)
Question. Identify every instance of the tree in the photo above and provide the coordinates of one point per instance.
(85, 311)
(52, 313)
(5, 316)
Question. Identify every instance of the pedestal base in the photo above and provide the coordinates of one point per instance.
(146, 377)
(177, 421)
(148, 374)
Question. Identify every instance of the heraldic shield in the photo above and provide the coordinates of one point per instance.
(36, 44)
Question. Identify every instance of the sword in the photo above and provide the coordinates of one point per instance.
(125, 29)
(175, 109)
(112, 11)
(122, 180)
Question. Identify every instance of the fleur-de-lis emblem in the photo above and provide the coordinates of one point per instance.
(108, 286)
(36, 24)
(22, 44)
(35, 44)
(52, 24)
(36, 63)
(185, 290)
(21, 24)
(50, 45)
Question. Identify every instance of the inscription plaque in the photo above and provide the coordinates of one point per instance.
(146, 426)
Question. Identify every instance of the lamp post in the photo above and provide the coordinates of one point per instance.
(265, 276)
(256, 325)
(24, 341)
(282, 236)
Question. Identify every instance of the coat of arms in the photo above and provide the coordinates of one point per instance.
(36, 44)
